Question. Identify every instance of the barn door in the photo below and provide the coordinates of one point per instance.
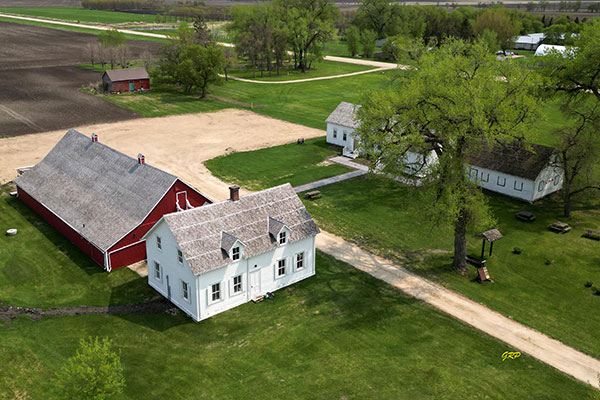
(131, 86)
(181, 200)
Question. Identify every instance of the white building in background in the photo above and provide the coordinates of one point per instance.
(210, 259)
(511, 170)
(530, 41)
(545, 49)
(517, 172)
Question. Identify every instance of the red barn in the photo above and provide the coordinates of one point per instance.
(126, 80)
(102, 200)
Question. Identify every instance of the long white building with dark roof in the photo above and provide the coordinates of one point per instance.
(213, 258)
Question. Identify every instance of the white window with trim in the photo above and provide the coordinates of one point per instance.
(501, 181)
(280, 268)
(345, 136)
(157, 271)
(215, 293)
(518, 186)
(334, 133)
(485, 177)
(185, 290)
(556, 180)
(158, 243)
(236, 285)
(235, 253)
(282, 237)
(474, 172)
(300, 261)
(179, 256)
(541, 186)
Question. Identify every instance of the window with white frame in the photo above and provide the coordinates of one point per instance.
(501, 181)
(235, 253)
(179, 256)
(541, 186)
(518, 186)
(282, 237)
(158, 243)
(157, 271)
(334, 133)
(345, 136)
(215, 292)
(556, 180)
(474, 172)
(281, 268)
(299, 261)
(185, 290)
(485, 177)
(237, 284)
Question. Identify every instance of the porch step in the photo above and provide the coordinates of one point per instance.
(258, 299)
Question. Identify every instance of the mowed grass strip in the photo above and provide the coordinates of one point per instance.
(78, 29)
(293, 163)
(79, 14)
(318, 69)
(39, 267)
(340, 334)
(543, 287)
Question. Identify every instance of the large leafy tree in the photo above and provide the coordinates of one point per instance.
(499, 21)
(309, 24)
(188, 64)
(457, 98)
(94, 372)
(377, 16)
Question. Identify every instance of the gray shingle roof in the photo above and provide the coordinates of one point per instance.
(102, 193)
(199, 232)
(127, 74)
(344, 115)
(512, 159)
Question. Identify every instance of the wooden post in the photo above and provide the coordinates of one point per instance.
(483, 248)
(491, 246)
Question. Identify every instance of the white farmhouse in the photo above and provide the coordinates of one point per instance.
(530, 41)
(517, 172)
(341, 125)
(210, 259)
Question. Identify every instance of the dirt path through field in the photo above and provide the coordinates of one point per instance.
(178, 144)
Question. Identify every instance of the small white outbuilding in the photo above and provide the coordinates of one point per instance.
(210, 259)
(545, 49)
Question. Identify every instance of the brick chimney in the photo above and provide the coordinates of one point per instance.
(234, 193)
(94, 138)
(141, 159)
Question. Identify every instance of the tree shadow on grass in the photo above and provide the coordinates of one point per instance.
(77, 256)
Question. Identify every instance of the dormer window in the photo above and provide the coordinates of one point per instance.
(235, 253)
(282, 237)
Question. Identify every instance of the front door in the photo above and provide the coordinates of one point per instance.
(254, 284)
(131, 86)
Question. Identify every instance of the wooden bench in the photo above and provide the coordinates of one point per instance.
(592, 233)
(483, 275)
(315, 194)
(476, 261)
(525, 216)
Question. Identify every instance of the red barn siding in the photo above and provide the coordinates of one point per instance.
(165, 206)
(124, 256)
(75, 238)
(138, 84)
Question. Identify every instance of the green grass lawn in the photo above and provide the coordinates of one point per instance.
(341, 334)
(542, 287)
(293, 163)
(40, 268)
(336, 47)
(79, 14)
(323, 68)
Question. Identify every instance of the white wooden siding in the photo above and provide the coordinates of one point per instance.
(339, 140)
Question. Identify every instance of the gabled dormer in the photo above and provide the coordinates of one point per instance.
(232, 246)
(279, 231)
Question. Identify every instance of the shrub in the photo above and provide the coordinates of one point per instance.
(517, 250)
(588, 284)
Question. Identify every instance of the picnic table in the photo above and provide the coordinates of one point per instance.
(315, 194)
(592, 233)
(559, 227)
(525, 216)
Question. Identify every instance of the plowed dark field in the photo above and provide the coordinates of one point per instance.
(39, 83)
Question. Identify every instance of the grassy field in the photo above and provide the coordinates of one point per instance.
(40, 268)
(323, 68)
(339, 335)
(270, 166)
(79, 14)
(543, 287)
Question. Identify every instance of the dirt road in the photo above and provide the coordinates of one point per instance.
(178, 144)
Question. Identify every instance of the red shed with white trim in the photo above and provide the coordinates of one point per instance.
(126, 80)
(102, 200)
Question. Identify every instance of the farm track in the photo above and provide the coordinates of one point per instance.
(158, 306)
